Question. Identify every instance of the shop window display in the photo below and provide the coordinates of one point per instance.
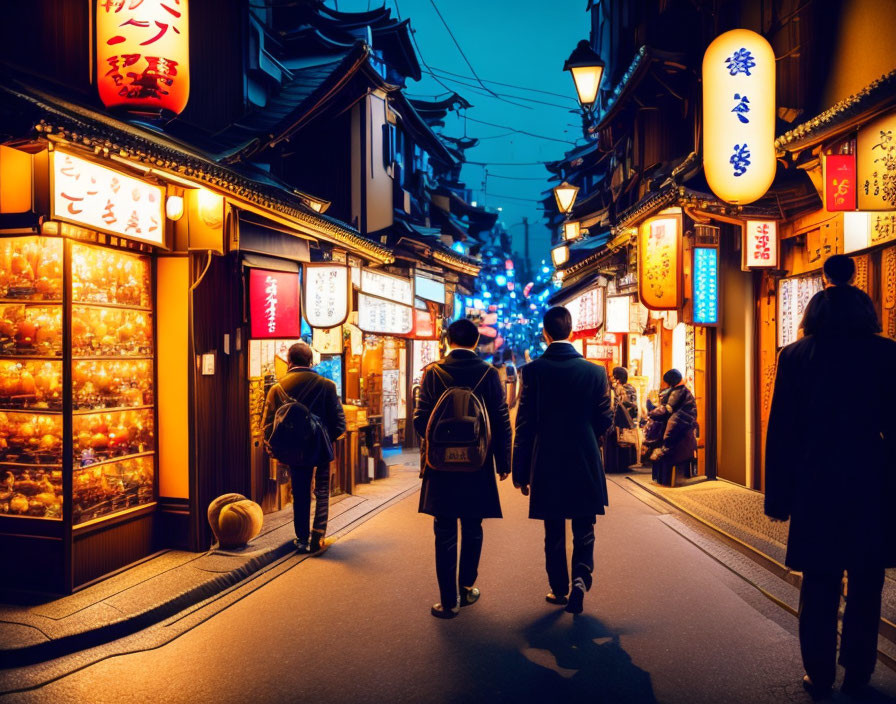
(110, 370)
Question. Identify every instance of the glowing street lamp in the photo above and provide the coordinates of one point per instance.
(587, 70)
(560, 255)
(571, 229)
(565, 194)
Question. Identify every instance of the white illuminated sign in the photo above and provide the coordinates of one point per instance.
(586, 310)
(388, 286)
(618, 314)
(377, 315)
(326, 289)
(760, 244)
(100, 198)
(429, 289)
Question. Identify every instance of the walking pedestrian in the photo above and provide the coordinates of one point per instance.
(319, 395)
(465, 496)
(829, 468)
(619, 456)
(564, 411)
(678, 411)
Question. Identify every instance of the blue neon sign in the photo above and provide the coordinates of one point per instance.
(706, 286)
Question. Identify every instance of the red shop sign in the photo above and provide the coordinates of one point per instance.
(840, 182)
(424, 325)
(274, 304)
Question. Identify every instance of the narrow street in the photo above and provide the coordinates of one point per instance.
(665, 622)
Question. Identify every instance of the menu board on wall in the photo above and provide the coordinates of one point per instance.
(587, 310)
(393, 288)
(660, 256)
(273, 304)
(376, 315)
(793, 296)
(326, 294)
(94, 196)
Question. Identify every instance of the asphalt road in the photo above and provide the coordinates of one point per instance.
(664, 623)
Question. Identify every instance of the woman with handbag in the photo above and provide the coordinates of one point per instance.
(621, 446)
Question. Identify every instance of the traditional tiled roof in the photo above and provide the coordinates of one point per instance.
(874, 99)
(57, 119)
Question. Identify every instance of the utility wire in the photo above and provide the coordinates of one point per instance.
(517, 178)
(530, 134)
(420, 53)
(508, 85)
(492, 94)
(507, 163)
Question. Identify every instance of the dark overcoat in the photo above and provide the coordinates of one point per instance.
(312, 389)
(564, 408)
(466, 494)
(830, 462)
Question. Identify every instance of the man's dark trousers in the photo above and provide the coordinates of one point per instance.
(448, 573)
(582, 553)
(301, 500)
(819, 603)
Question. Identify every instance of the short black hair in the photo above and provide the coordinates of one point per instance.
(558, 323)
(839, 269)
(620, 374)
(300, 355)
(463, 333)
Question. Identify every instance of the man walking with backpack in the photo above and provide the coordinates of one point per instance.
(564, 408)
(302, 417)
(462, 416)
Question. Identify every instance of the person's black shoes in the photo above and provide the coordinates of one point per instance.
(301, 547)
(576, 598)
(440, 611)
(469, 596)
(816, 691)
(556, 600)
(858, 688)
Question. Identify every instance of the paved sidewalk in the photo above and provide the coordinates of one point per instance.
(172, 581)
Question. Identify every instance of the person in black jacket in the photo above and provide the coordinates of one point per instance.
(830, 467)
(678, 410)
(564, 411)
(465, 496)
(320, 396)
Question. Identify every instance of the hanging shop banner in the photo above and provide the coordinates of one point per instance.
(863, 230)
(587, 310)
(618, 314)
(393, 288)
(327, 340)
(659, 273)
(876, 164)
(274, 304)
(739, 116)
(760, 245)
(794, 295)
(429, 289)
(97, 197)
(839, 182)
(143, 55)
(377, 315)
(706, 286)
(326, 294)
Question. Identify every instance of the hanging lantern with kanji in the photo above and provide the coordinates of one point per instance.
(142, 54)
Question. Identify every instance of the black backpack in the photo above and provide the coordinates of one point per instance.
(458, 434)
(297, 436)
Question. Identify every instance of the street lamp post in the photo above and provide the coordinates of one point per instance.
(565, 195)
(587, 69)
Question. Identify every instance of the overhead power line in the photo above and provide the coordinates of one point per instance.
(506, 163)
(473, 86)
(517, 178)
(508, 85)
(530, 134)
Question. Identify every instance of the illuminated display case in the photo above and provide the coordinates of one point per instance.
(77, 415)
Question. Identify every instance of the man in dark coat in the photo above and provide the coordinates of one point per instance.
(678, 410)
(564, 409)
(319, 395)
(831, 469)
(465, 496)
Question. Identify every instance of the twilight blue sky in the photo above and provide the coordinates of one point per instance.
(521, 42)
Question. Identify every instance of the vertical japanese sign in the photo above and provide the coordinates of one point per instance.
(706, 286)
(659, 272)
(760, 245)
(839, 182)
(100, 198)
(273, 304)
(876, 157)
(326, 294)
(739, 116)
(794, 295)
(143, 54)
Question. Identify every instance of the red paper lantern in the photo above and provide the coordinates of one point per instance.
(143, 55)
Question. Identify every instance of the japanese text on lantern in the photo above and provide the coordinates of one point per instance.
(143, 54)
(760, 244)
(100, 198)
(274, 304)
(326, 294)
(876, 156)
(658, 274)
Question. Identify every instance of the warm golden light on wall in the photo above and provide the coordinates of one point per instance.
(739, 116)
(143, 55)
(174, 207)
(210, 207)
